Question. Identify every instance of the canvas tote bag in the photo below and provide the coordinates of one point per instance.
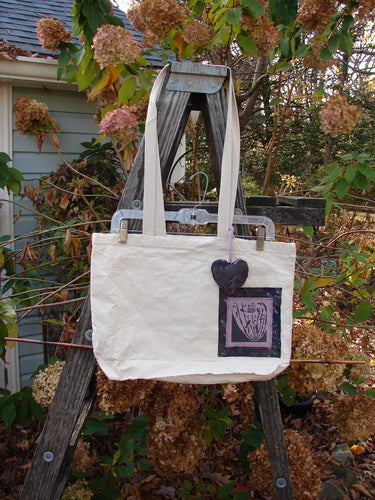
(157, 311)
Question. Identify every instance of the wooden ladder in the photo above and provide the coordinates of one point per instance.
(187, 87)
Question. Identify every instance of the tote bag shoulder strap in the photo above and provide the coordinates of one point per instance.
(153, 206)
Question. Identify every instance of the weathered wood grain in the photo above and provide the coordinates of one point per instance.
(68, 411)
(267, 403)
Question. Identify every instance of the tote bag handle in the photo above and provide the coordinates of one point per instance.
(153, 206)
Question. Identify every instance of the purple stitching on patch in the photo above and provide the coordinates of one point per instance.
(253, 317)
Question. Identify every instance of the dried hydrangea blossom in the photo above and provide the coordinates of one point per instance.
(337, 116)
(33, 117)
(134, 15)
(262, 31)
(240, 397)
(51, 33)
(196, 32)
(315, 15)
(305, 475)
(161, 16)
(82, 459)
(78, 491)
(115, 45)
(175, 439)
(45, 384)
(108, 97)
(169, 454)
(173, 406)
(117, 397)
(354, 417)
(120, 124)
(310, 342)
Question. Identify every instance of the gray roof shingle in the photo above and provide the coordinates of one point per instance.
(18, 20)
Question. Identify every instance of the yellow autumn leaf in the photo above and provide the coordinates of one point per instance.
(323, 281)
(55, 140)
(179, 42)
(12, 329)
(109, 76)
(357, 449)
(64, 202)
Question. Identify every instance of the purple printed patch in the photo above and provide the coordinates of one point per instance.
(250, 323)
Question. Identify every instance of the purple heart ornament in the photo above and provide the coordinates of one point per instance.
(230, 276)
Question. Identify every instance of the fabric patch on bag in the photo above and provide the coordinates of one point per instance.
(250, 323)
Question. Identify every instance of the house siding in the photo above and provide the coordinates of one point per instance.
(75, 118)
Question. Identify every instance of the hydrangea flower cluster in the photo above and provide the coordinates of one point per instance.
(310, 342)
(262, 31)
(115, 45)
(175, 438)
(196, 32)
(82, 459)
(337, 116)
(304, 473)
(316, 14)
(45, 384)
(354, 417)
(161, 16)
(120, 124)
(117, 397)
(51, 33)
(135, 16)
(33, 117)
(78, 491)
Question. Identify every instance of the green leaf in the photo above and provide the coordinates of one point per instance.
(62, 61)
(137, 429)
(95, 427)
(126, 470)
(307, 288)
(308, 230)
(334, 42)
(234, 16)
(127, 90)
(370, 393)
(284, 45)
(350, 173)
(367, 171)
(247, 45)
(289, 395)
(361, 181)
(280, 66)
(9, 414)
(302, 51)
(283, 12)
(346, 44)
(349, 388)
(341, 188)
(363, 312)
(275, 101)
(253, 437)
(4, 158)
(253, 7)
(325, 54)
(347, 25)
